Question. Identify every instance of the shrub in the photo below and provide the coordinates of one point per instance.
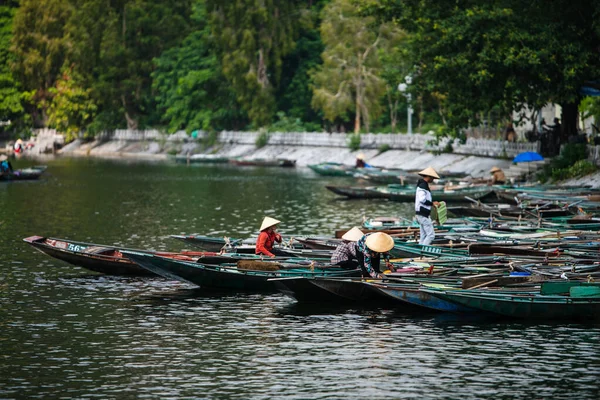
(262, 139)
(354, 142)
(571, 163)
(383, 148)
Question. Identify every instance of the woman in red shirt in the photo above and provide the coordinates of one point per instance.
(268, 236)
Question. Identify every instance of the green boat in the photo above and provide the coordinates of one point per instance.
(403, 250)
(332, 169)
(579, 304)
(229, 276)
(406, 194)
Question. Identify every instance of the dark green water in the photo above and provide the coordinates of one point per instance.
(69, 333)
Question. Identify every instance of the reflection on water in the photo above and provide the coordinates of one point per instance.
(65, 332)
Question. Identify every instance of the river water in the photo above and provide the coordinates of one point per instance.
(69, 333)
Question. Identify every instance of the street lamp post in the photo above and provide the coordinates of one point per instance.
(403, 87)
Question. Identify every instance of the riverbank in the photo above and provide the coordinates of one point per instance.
(475, 157)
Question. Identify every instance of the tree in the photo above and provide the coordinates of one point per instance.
(191, 90)
(349, 79)
(71, 108)
(253, 37)
(11, 105)
(502, 55)
(39, 49)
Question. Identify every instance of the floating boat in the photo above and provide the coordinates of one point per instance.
(201, 159)
(27, 174)
(263, 162)
(231, 276)
(327, 290)
(407, 193)
(108, 259)
(583, 304)
(332, 169)
(411, 294)
(209, 243)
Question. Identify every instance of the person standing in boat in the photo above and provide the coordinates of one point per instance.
(360, 161)
(498, 177)
(423, 204)
(344, 254)
(370, 248)
(267, 237)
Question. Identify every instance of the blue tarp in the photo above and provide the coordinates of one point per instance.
(528, 156)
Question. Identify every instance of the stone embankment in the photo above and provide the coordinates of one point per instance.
(475, 157)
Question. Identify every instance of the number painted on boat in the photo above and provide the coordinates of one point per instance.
(76, 247)
(431, 249)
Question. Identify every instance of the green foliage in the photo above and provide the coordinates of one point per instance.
(71, 108)
(40, 47)
(286, 124)
(114, 47)
(11, 105)
(253, 38)
(191, 90)
(590, 108)
(354, 142)
(349, 79)
(262, 139)
(210, 139)
(383, 148)
(295, 93)
(571, 163)
(499, 55)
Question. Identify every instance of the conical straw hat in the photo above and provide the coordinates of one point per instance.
(353, 235)
(379, 242)
(494, 169)
(429, 172)
(3, 157)
(268, 222)
(360, 156)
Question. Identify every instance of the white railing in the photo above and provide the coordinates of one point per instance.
(416, 142)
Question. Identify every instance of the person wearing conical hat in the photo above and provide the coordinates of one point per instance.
(344, 254)
(5, 166)
(267, 237)
(360, 161)
(423, 204)
(370, 248)
(498, 177)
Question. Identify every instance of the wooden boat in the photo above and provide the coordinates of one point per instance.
(407, 194)
(327, 290)
(201, 159)
(355, 192)
(229, 276)
(332, 169)
(386, 176)
(210, 243)
(263, 162)
(248, 246)
(107, 259)
(404, 250)
(531, 306)
(27, 174)
(411, 294)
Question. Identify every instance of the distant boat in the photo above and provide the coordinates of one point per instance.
(407, 193)
(263, 162)
(27, 174)
(201, 159)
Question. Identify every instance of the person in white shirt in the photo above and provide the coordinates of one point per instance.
(423, 204)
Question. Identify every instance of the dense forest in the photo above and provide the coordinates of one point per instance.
(85, 66)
